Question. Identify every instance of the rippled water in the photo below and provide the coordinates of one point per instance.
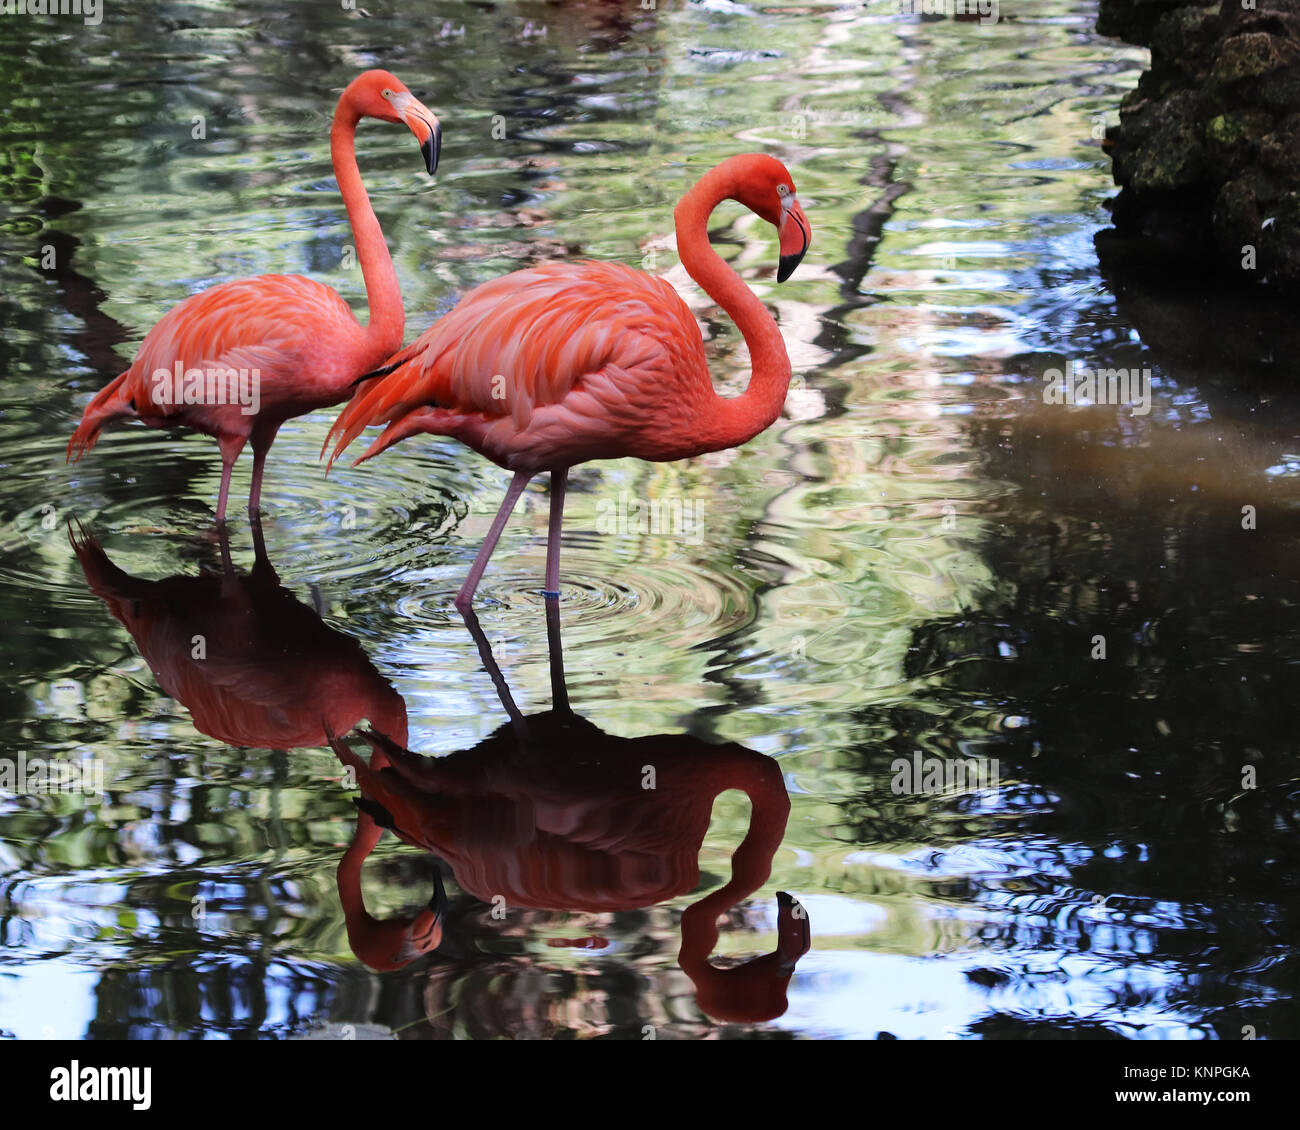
(916, 560)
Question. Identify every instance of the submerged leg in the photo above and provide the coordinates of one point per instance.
(558, 480)
(263, 570)
(513, 491)
(555, 649)
(494, 673)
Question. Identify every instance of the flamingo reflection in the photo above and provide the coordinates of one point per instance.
(551, 813)
(254, 665)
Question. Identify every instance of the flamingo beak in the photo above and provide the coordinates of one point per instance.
(423, 934)
(793, 936)
(437, 909)
(422, 122)
(795, 234)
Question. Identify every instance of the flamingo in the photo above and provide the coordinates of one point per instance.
(383, 944)
(549, 812)
(255, 667)
(566, 362)
(237, 360)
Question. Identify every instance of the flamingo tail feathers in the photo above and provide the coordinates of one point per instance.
(106, 580)
(384, 401)
(111, 403)
(404, 426)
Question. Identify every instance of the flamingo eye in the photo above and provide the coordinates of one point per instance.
(782, 191)
(387, 93)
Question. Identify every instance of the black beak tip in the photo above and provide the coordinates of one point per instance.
(787, 265)
(431, 150)
(438, 902)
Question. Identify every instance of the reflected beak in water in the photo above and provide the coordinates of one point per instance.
(438, 903)
(793, 936)
(422, 122)
(795, 234)
(424, 934)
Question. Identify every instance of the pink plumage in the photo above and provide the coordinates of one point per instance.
(236, 361)
(567, 362)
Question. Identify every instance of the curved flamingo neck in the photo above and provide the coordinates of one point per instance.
(367, 835)
(384, 295)
(387, 944)
(751, 863)
(736, 420)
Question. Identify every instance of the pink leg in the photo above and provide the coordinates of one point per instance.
(262, 441)
(513, 491)
(231, 446)
(227, 465)
(255, 491)
(558, 479)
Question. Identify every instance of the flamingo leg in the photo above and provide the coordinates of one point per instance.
(555, 649)
(262, 440)
(519, 722)
(231, 446)
(513, 491)
(227, 562)
(227, 465)
(263, 570)
(558, 480)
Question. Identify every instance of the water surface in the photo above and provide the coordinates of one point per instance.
(917, 560)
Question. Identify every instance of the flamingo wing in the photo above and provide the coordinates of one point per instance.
(298, 335)
(548, 364)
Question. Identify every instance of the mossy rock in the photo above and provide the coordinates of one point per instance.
(1281, 89)
(1160, 147)
(1254, 213)
(1279, 152)
(1133, 21)
(1208, 146)
(1232, 140)
(1249, 56)
(1184, 39)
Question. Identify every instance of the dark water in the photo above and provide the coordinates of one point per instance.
(921, 560)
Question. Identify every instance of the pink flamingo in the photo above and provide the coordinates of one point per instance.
(273, 347)
(550, 812)
(549, 367)
(270, 673)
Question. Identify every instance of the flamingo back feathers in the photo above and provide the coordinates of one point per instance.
(530, 341)
(299, 336)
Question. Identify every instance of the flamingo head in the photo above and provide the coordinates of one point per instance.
(378, 94)
(389, 944)
(764, 187)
